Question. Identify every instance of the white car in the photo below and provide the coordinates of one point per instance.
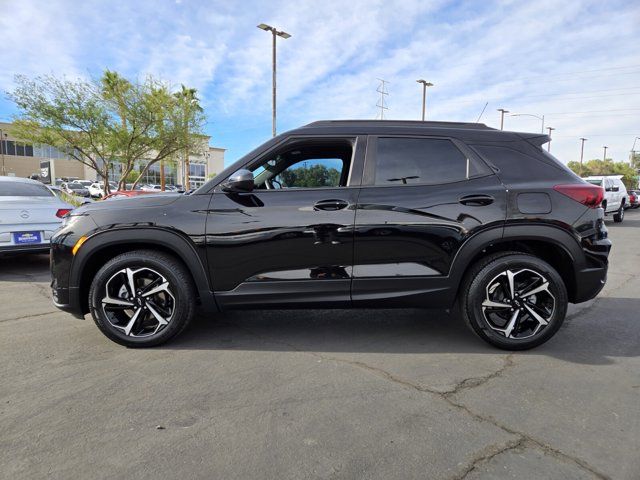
(616, 198)
(151, 188)
(29, 214)
(96, 189)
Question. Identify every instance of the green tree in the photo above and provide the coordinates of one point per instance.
(607, 167)
(313, 176)
(108, 121)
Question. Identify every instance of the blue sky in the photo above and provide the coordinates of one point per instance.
(576, 62)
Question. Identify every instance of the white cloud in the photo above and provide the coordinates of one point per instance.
(531, 57)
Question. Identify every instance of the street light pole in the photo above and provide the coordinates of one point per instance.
(285, 35)
(549, 144)
(604, 156)
(581, 152)
(425, 84)
(502, 112)
(2, 145)
(541, 118)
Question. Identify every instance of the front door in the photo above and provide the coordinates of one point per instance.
(290, 240)
(421, 199)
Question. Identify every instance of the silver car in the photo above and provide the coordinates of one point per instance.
(29, 214)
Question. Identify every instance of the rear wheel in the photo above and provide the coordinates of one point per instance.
(514, 301)
(618, 217)
(142, 298)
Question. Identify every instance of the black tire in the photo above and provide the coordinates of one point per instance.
(474, 292)
(618, 217)
(179, 299)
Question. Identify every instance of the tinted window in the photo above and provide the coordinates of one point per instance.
(595, 181)
(306, 164)
(419, 160)
(16, 189)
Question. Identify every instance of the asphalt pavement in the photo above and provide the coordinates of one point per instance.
(371, 394)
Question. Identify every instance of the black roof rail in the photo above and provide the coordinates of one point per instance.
(398, 123)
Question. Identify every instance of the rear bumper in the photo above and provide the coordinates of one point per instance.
(590, 282)
(34, 248)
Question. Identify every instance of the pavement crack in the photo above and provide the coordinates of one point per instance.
(449, 397)
(488, 454)
(474, 382)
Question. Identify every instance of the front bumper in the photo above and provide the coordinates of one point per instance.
(67, 299)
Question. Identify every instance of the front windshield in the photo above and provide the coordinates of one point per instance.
(595, 181)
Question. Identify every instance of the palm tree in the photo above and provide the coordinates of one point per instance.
(188, 102)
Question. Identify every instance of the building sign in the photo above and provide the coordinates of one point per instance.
(45, 171)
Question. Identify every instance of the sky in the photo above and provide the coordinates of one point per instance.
(575, 62)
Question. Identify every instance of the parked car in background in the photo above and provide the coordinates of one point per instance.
(634, 198)
(68, 197)
(84, 183)
(370, 214)
(73, 188)
(616, 198)
(96, 189)
(129, 187)
(29, 214)
(127, 194)
(151, 188)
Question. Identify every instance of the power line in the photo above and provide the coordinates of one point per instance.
(595, 111)
(581, 93)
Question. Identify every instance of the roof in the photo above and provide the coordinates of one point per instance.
(398, 123)
(595, 177)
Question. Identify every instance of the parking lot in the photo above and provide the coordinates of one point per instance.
(321, 394)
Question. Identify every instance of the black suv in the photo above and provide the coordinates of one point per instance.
(339, 214)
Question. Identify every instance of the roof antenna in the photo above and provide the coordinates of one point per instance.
(382, 90)
(480, 116)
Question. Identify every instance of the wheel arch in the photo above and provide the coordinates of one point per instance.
(102, 246)
(552, 244)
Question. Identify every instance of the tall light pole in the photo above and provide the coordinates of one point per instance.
(502, 112)
(285, 35)
(549, 144)
(530, 115)
(3, 143)
(582, 140)
(425, 84)
(604, 155)
(633, 151)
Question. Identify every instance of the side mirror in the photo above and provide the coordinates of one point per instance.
(240, 181)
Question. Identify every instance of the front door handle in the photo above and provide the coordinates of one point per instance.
(476, 200)
(331, 205)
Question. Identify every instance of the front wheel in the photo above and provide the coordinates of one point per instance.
(142, 298)
(514, 301)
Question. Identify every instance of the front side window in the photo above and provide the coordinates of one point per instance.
(403, 161)
(306, 164)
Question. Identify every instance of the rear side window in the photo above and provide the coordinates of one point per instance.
(16, 189)
(403, 161)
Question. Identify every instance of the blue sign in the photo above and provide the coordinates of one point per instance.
(26, 237)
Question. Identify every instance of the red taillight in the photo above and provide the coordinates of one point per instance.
(586, 194)
(62, 212)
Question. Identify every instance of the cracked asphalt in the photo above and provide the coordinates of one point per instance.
(321, 394)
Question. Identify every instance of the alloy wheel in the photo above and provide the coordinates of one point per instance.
(518, 304)
(138, 302)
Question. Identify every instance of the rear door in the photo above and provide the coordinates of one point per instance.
(421, 199)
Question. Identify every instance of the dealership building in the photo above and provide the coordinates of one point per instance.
(22, 159)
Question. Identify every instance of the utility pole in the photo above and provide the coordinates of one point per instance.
(162, 175)
(604, 156)
(425, 84)
(549, 144)
(582, 140)
(285, 35)
(502, 112)
(382, 90)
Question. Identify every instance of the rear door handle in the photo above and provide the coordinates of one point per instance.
(476, 200)
(331, 205)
